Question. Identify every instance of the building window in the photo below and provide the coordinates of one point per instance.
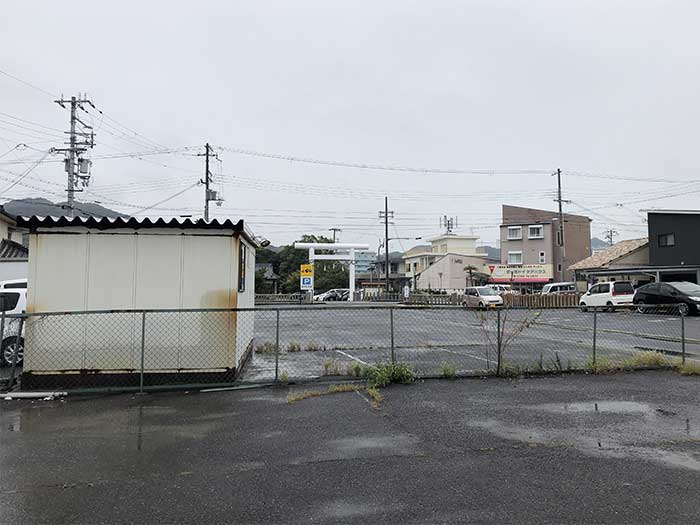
(393, 268)
(543, 258)
(515, 233)
(241, 266)
(667, 239)
(515, 257)
(535, 232)
(559, 267)
(559, 238)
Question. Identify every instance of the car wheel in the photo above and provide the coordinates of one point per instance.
(683, 309)
(482, 306)
(641, 308)
(610, 307)
(583, 307)
(9, 349)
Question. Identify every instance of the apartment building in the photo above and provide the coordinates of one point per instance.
(531, 245)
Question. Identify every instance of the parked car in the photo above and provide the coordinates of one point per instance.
(12, 301)
(502, 288)
(685, 294)
(558, 288)
(607, 295)
(335, 294)
(481, 297)
(14, 283)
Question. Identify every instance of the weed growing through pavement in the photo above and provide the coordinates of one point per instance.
(354, 369)
(266, 348)
(375, 396)
(314, 347)
(645, 360)
(448, 370)
(689, 368)
(383, 374)
(332, 389)
(284, 378)
(294, 346)
(331, 367)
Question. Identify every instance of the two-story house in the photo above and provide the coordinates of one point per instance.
(532, 250)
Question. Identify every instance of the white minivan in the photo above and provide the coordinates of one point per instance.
(607, 295)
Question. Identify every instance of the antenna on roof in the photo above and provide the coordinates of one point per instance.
(449, 223)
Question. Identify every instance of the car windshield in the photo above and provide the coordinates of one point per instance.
(687, 288)
(486, 290)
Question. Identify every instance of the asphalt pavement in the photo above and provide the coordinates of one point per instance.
(336, 337)
(621, 448)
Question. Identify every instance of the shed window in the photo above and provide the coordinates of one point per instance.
(667, 239)
(241, 266)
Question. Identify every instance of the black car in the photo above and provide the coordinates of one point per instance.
(684, 294)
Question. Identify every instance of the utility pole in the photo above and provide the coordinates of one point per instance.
(609, 235)
(209, 195)
(334, 230)
(385, 215)
(560, 240)
(78, 168)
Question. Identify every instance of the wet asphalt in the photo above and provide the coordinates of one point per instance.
(621, 448)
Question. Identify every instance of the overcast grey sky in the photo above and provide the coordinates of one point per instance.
(596, 88)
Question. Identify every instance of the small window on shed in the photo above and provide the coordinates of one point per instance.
(241, 266)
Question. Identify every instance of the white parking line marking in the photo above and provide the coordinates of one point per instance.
(468, 355)
(352, 357)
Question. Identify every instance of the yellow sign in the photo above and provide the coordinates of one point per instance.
(307, 270)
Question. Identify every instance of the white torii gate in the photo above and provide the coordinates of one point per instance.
(349, 256)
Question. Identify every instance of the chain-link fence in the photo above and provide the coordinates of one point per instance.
(148, 349)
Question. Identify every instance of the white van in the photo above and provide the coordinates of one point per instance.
(607, 295)
(12, 301)
(558, 288)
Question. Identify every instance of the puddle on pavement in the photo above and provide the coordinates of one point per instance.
(607, 407)
(397, 443)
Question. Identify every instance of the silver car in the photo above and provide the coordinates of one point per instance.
(481, 297)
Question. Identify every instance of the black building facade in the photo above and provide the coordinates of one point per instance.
(674, 237)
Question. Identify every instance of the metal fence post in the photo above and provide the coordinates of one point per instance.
(143, 348)
(682, 338)
(14, 354)
(277, 345)
(391, 323)
(499, 357)
(595, 333)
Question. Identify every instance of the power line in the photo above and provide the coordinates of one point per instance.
(166, 199)
(37, 88)
(23, 175)
(368, 166)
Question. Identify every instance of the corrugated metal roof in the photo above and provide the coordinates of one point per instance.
(605, 257)
(110, 223)
(12, 250)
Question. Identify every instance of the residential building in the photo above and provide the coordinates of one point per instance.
(9, 229)
(674, 237)
(612, 264)
(397, 270)
(451, 273)
(421, 257)
(530, 239)
(364, 260)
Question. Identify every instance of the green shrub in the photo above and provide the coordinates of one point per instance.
(448, 371)
(384, 374)
(294, 346)
(284, 378)
(354, 369)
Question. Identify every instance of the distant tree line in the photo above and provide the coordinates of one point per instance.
(286, 262)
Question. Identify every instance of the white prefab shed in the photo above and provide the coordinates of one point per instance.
(101, 264)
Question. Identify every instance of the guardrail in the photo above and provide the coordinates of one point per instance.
(279, 298)
(435, 299)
